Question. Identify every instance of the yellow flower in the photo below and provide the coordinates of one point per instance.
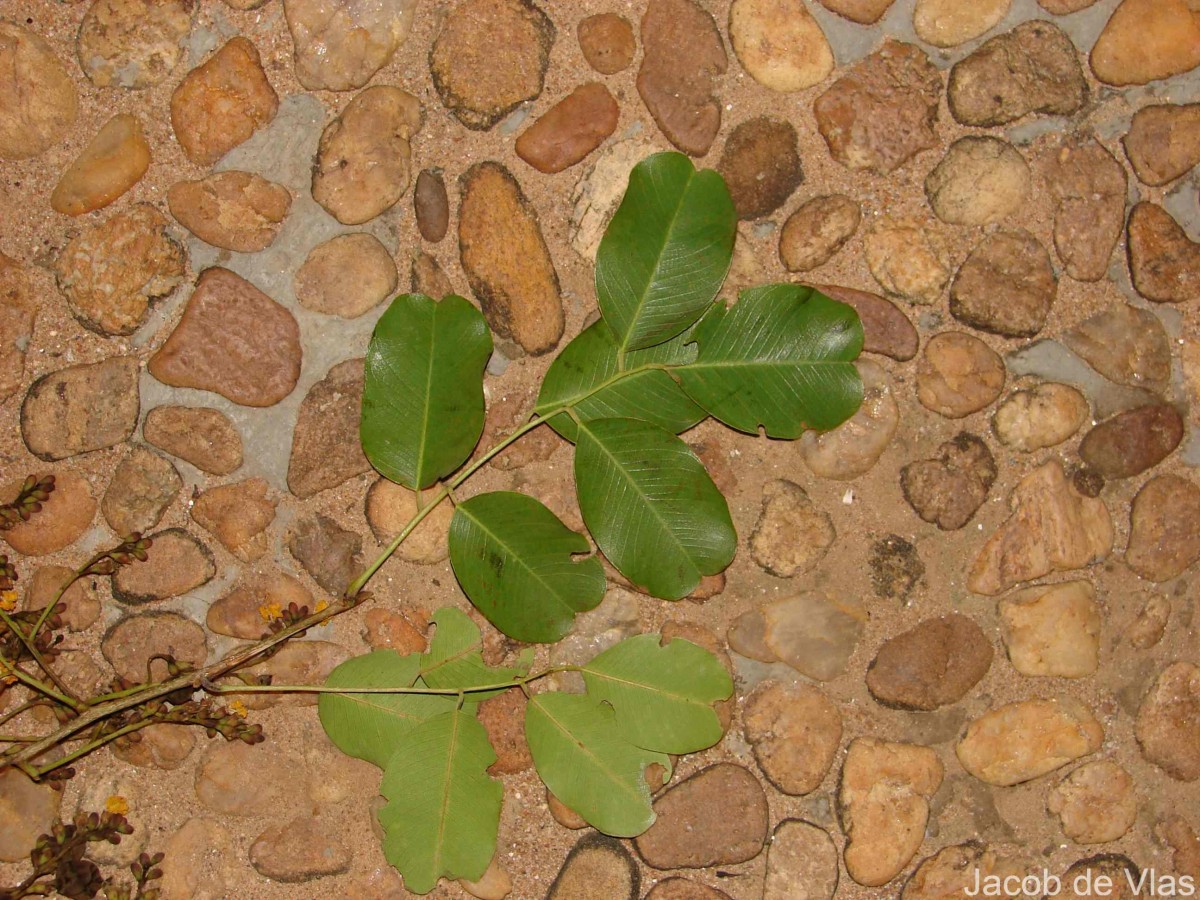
(270, 612)
(237, 707)
(8, 600)
(117, 805)
(322, 606)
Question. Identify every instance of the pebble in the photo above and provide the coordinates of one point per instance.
(234, 340)
(340, 45)
(496, 227)
(110, 273)
(813, 633)
(132, 43)
(597, 866)
(717, 817)
(130, 643)
(1146, 40)
(779, 43)
(142, 487)
(196, 863)
(163, 746)
(882, 112)
(42, 103)
(886, 329)
(1168, 722)
(1133, 441)
(236, 211)
(326, 450)
(233, 780)
(795, 731)
(479, 85)
(238, 516)
(240, 613)
(178, 563)
(599, 191)
(431, 205)
(884, 801)
(1064, 7)
(222, 102)
(802, 863)
(299, 662)
(1032, 69)
(1039, 417)
(504, 719)
(27, 810)
(1006, 286)
(909, 258)
(1147, 629)
(1163, 142)
(1095, 804)
(569, 130)
(864, 12)
(1052, 630)
(1164, 541)
(18, 311)
(494, 884)
(685, 889)
(204, 437)
(563, 814)
(328, 552)
(607, 42)
(63, 519)
(1019, 741)
(682, 55)
(980, 181)
(112, 163)
(761, 166)
(1163, 262)
(363, 160)
(1088, 186)
(792, 535)
(94, 796)
(1125, 344)
(1182, 839)
(346, 276)
(81, 408)
(1052, 529)
(428, 278)
(817, 230)
(81, 600)
(390, 506)
(852, 448)
(948, 23)
(1120, 871)
(931, 665)
(952, 872)
(958, 374)
(896, 568)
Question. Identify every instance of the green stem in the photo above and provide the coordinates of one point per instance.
(325, 689)
(85, 749)
(40, 686)
(32, 650)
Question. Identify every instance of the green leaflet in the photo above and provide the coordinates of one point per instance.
(587, 763)
(370, 726)
(514, 560)
(662, 696)
(651, 506)
(422, 410)
(455, 658)
(443, 810)
(782, 358)
(592, 378)
(665, 252)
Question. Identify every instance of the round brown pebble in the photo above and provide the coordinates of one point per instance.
(346, 276)
(958, 374)
(607, 42)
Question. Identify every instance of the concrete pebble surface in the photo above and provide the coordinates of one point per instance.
(961, 625)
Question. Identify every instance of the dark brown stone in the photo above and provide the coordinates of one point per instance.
(761, 166)
(326, 449)
(1088, 185)
(1006, 286)
(1133, 441)
(1164, 540)
(931, 665)
(328, 552)
(1163, 141)
(1163, 262)
(569, 130)
(607, 42)
(431, 205)
(948, 490)
(886, 329)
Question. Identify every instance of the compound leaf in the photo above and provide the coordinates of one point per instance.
(662, 695)
(587, 764)
(650, 505)
(782, 358)
(513, 558)
(422, 410)
(443, 810)
(370, 726)
(592, 377)
(665, 252)
(455, 657)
